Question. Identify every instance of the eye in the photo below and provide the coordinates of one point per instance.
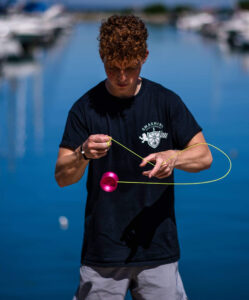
(131, 69)
(113, 69)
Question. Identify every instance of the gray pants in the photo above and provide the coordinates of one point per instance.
(161, 282)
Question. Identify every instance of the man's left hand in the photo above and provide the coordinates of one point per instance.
(164, 163)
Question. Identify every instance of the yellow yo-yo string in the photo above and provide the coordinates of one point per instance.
(178, 153)
(109, 142)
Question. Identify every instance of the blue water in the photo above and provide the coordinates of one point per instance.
(38, 258)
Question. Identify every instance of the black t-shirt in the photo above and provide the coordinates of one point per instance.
(135, 224)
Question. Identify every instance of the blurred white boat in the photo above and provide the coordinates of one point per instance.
(195, 21)
(21, 69)
(38, 28)
(236, 30)
(9, 48)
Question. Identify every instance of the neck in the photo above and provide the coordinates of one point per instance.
(133, 91)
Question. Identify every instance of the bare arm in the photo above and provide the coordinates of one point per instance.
(194, 159)
(71, 165)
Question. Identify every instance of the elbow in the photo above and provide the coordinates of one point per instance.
(208, 161)
(64, 179)
(59, 180)
(61, 184)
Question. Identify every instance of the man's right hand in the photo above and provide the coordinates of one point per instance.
(97, 146)
(70, 165)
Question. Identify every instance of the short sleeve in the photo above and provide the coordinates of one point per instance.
(183, 124)
(75, 132)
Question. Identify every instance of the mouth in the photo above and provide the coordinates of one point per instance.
(121, 85)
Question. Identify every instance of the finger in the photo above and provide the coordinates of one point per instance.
(99, 138)
(164, 174)
(102, 155)
(98, 146)
(164, 163)
(156, 168)
(109, 143)
(146, 173)
(160, 173)
(148, 158)
(163, 170)
(97, 155)
(102, 151)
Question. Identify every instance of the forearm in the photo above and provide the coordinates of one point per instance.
(194, 159)
(70, 168)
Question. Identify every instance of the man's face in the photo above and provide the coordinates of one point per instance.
(122, 77)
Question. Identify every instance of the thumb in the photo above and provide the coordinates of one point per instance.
(147, 159)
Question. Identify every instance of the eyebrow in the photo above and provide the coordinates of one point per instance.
(126, 67)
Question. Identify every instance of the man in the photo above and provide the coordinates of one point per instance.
(130, 238)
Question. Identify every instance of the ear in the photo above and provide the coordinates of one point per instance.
(146, 56)
(101, 56)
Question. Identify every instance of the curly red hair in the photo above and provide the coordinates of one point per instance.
(123, 38)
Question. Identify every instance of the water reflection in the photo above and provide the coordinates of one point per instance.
(31, 214)
(21, 85)
(15, 82)
(216, 93)
(242, 56)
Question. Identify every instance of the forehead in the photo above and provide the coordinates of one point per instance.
(121, 64)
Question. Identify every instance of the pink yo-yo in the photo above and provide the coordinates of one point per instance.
(109, 182)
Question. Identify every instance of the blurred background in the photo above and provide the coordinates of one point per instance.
(48, 59)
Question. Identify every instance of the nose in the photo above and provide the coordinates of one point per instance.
(122, 75)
